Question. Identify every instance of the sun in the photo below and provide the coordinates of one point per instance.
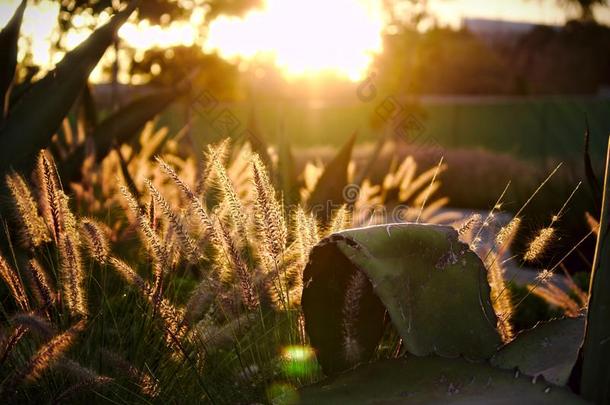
(304, 38)
(301, 38)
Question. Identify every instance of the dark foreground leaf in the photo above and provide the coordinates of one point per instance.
(595, 378)
(550, 349)
(435, 380)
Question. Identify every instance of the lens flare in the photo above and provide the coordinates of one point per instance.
(299, 361)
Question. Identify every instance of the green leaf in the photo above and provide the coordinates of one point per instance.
(39, 113)
(550, 349)
(595, 378)
(434, 380)
(331, 185)
(433, 287)
(9, 37)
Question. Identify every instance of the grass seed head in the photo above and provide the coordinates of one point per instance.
(539, 244)
(95, 239)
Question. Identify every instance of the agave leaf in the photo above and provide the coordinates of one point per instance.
(19, 89)
(256, 139)
(331, 185)
(434, 380)
(122, 126)
(8, 57)
(127, 122)
(39, 113)
(88, 109)
(595, 377)
(374, 156)
(287, 172)
(550, 349)
(131, 185)
(433, 287)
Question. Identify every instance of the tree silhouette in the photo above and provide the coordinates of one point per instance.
(585, 7)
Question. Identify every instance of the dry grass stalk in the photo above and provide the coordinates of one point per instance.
(583, 296)
(272, 233)
(172, 317)
(544, 277)
(195, 203)
(546, 289)
(95, 239)
(269, 214)
(33, 231)
(48, 185)
(81, 386)
(87, 379)
(34, 323)
(342, 219)
(351, 313)
(557, 297)
(150, 238)
(7, 344)
(470, 223)
(215, 336)
(249, 296)
(230, 199)
(201, 299)
(431, 188)
(129, 274)
(217, 152)
(307, 233)
(593, 223)
(49, 353)
(39, 284)
(186, 244)
(72, 275)
(14, 283)
(508, 232)
(147, 383)
(152, 218)
(152, 242)
(539, 244)
(66, 236)
(544, 238)
(499, 296)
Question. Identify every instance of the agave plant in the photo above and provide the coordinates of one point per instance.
(433, 289)
(51, 98)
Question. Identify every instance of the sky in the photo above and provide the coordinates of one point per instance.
(297, 51)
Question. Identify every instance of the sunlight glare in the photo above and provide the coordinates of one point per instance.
(303, 38)
(338, 37)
